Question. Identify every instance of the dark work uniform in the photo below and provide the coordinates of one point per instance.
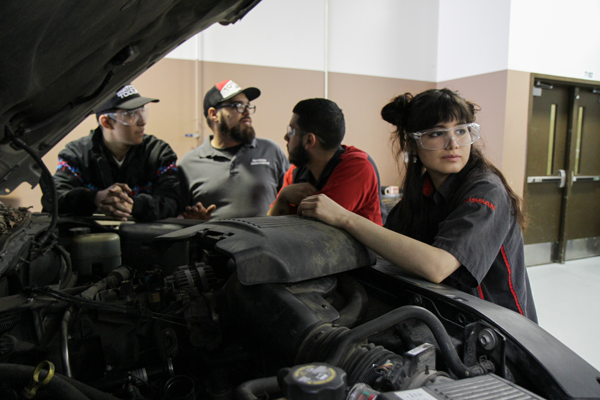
(86, 166)
(483, 236)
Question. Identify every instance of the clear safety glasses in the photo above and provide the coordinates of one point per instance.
(439, 138)
(137, 116)
(291, 132)
(240, 107)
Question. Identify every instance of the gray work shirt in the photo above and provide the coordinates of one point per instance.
(481, 231)
(244, 184)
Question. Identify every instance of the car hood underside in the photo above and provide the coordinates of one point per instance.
(62, 58)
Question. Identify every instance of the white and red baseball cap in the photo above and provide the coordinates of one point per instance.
(224, 91)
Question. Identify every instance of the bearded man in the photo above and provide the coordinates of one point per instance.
(322, 164)
(232, 174)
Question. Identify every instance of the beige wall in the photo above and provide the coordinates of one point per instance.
(504, 100)
(488, 91)
(362, 98)
(518, 99)
(181, 84)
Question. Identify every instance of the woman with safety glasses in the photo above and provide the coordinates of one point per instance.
(458, 222)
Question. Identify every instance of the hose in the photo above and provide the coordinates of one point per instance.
(64, 340)
(363, 361)
(66, 279)
(9, 321)
(356, 301)
(247, 390)
(50, 184)
(112, 280)
(351, 337)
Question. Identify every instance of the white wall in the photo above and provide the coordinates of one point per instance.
(427, 40)
(473, 38)
(556, 37)
(387, 38)
(276, 33)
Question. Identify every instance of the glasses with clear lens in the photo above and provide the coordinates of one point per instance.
(439, 138)
(291, 132)
(130, 117)
(240, 107)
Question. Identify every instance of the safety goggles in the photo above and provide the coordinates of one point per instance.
(130, 117)
(439, 138)
(291, 132)
(240, 107)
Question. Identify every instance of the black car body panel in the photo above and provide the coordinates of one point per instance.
(550, 361)
(61, 59)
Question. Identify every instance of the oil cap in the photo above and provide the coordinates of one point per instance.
(317, 381)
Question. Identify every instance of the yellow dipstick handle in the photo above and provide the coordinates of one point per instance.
(34, 384)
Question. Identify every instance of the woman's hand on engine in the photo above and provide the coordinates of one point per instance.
(324, 209)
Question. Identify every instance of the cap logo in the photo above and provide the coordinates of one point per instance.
(230, 88)
(127, 91)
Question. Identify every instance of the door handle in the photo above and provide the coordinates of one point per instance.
(585, 178)
(561, 179)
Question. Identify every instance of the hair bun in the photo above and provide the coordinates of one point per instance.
(388, 113)
(394, 111)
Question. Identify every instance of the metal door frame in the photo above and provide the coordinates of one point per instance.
(558, 251)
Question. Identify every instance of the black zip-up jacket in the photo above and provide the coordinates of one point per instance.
(86, 166)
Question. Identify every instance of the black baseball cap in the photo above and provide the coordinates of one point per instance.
(126, 98)
(224, 91)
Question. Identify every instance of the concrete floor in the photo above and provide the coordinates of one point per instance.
(567, 299)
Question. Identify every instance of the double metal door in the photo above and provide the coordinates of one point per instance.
(562, 191)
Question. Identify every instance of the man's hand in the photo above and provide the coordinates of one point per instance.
(198, 211)
(115, 201)
(297, 192)
(291, 194)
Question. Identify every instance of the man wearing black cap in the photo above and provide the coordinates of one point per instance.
(117, 169)
(232, 174)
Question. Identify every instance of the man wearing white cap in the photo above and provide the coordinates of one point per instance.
(232, 174)
(117, 169)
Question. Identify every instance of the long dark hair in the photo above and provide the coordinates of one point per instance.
(424, 111)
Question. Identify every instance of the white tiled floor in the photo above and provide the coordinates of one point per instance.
(567, 298)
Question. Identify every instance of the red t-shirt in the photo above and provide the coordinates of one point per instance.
(352, 183)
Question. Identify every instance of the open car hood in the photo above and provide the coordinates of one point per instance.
(61, 59)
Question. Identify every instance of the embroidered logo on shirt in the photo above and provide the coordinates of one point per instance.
(480, 201)
(171, 168)
(64, 166)
(141, 189)
(260, 161)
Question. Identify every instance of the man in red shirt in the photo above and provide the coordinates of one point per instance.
(321, 164)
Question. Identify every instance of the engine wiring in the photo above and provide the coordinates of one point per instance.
(49, 183)
(137, 310)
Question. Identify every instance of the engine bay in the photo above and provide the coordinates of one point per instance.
(252, 308)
